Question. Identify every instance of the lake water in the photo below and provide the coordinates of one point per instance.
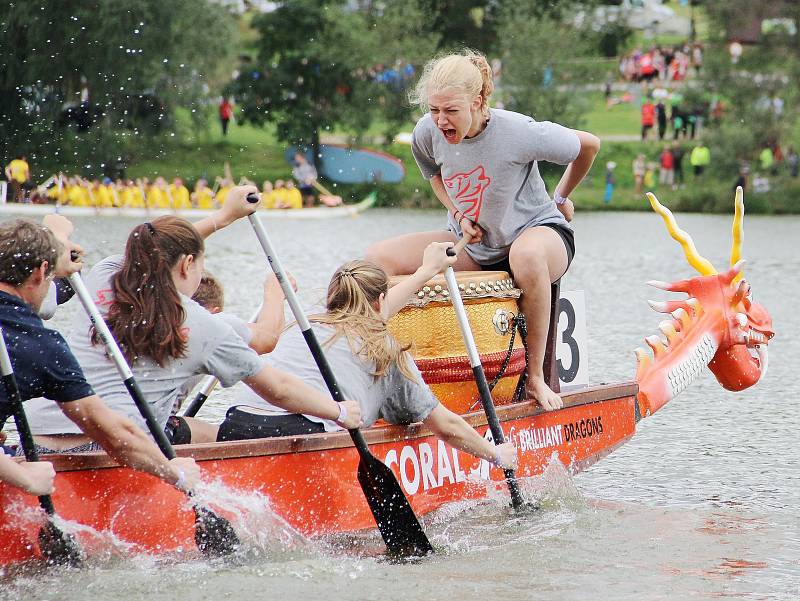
(704, 502)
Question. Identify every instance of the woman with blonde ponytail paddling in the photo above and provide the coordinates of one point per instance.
(482, 164)
(145, 296)
(371, 366)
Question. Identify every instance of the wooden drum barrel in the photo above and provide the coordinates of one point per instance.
(429, 323)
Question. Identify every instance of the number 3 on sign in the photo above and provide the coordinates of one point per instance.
(571, 356)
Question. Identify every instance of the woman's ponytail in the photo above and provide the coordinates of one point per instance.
(147, 314)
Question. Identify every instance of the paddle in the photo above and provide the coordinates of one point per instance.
(396, 521)
(56, 545)
(207, 385)
(213, 534)
(477, 369)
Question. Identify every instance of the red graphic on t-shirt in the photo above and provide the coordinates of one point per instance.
(469, 189)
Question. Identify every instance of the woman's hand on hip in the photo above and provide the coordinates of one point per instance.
(567, 209)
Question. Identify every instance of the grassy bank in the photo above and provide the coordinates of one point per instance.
(254, 153)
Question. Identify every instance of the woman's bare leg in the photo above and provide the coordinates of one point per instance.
(402, 255)
(538, 258)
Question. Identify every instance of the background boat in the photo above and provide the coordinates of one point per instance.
(320, 212)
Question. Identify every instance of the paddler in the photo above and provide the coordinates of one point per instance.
(30, 256)
(482, 164)
(167, 338)
(369, 363)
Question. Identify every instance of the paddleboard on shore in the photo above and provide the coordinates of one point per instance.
(345, 165)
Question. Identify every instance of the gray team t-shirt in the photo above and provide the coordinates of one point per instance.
(213, 348)
(494, 179)
(392, 397)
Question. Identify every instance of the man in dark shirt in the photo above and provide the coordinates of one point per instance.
(30, 256)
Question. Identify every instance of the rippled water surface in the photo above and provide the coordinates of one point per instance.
(704, 502)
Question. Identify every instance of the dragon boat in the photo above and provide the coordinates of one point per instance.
(310, 481)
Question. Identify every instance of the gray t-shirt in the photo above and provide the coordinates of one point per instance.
(392, 397)
(213, 348)
(494, 179)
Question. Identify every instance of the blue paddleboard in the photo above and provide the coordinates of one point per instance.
(354, 165)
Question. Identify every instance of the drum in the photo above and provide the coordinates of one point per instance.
(428, 322)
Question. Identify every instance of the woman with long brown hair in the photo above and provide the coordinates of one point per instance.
(371, 366)
(167, 337)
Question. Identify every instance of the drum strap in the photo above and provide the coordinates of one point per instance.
(517, 323)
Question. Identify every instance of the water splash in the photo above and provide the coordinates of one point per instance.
(260, 529)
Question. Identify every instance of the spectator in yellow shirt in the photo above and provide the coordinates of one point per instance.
(202, 197)
(293, 197)
(267, 195)
(180, 195)
(104, 194)
(77, 195)
(18, 173)
(279, 193)
(222, 193)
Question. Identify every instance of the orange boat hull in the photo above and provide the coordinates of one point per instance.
(311, 480)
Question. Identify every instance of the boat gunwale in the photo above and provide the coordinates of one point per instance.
(329, 441)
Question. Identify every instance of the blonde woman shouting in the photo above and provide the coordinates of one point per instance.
(482, 164)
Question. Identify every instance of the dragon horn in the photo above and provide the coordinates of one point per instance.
(734, 274)
(679, 286)
(666, 306)
(701, 264)
(738, 230)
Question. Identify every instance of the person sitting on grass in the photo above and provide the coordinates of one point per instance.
(370, 364)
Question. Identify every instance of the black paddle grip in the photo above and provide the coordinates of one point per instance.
(252, 198)
(451, 252)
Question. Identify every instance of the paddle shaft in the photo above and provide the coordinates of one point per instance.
(208, 384)
(322, 188)
(305, 327)
(25, 436)
(396, 520)
(213, 534)
(480, 376)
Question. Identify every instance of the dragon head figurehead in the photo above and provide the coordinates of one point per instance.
(717, 325)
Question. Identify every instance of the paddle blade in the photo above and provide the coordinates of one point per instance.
(213, 534)
(396, 521)
(58, 547)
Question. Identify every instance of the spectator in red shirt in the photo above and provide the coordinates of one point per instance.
(648, 117)
(666, 174)
(225, 114)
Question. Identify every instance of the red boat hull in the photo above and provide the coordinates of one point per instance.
(311, 482)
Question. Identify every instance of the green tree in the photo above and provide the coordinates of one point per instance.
(544, 71)
(311, 71)
(759, 95)
(54, 52)
(320, 64)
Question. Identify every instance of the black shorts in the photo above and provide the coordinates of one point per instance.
(307, 190)
(243, 425)
(567, 235)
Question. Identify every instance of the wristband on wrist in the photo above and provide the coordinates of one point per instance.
(558, 199)
(342, 414)
(458, 216)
